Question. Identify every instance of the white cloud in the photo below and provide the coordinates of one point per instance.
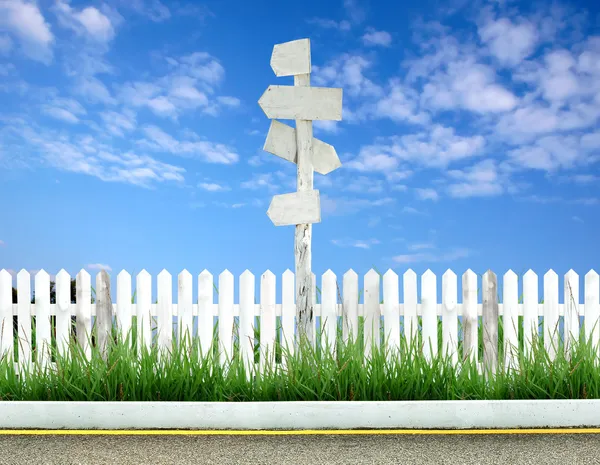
(480, 180)
(88, 22)
(348, 72)
(67, 110)
(212, 187)
(427, 194)
(359, 244)
(98, 266)
(93, 90)
(26, 22)
(331, 24)
(426, 257)
(117, 123)
(510, 42)
(211, 152)
(377, 38)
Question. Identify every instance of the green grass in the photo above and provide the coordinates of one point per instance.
(316, 376)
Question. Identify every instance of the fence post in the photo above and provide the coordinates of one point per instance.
(104, 312)
(489, 284)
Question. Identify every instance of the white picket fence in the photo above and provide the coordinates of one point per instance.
(328, 309)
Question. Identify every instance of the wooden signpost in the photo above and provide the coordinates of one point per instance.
(303, 104)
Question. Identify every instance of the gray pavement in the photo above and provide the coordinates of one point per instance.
(535, 449)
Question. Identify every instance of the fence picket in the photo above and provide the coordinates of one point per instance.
(63, 314)
(123, 309)
(450, 316)
(391, 312)
(571, 306)
(83, 311)
(372, 312)
(530, 310)
(185, 316)
(226, 293)
(288, 313)
(164, 315)
(551, 314)
(489, 285)
(24, 319)
(104, 312)
(411, 321)
(329, 312)
(510, 322)
(43, 339)
(246, 321)
(591, 320)
(469, 316)
(350, 307)
(429, 311)
(205, 312)
(6, 315)
(144, 310)
(267, 320)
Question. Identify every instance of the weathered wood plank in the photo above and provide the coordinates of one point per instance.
(571, 311)
(329, 312)
(124, 305)
(63, 313)
(268, 291)
(489, 285)
(104, 313)
(42, 318)
(226, 292)
(350, 307)
(291, 58)
(281, 141)
(83, 325)
(144, 311)
(302, 207)
(185, 317)
(411, 321)
(246, 321)
(302, 103)
(205, 312)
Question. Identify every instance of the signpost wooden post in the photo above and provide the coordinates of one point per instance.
(303, 104)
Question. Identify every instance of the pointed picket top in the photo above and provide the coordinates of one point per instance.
(489, 274)
(23, 274)
(144, 274)
(43, 273)
(470, 274)
(123, 279)
(329, 274)
(449, 274)
(551, 274)
(288, 273)
(530, 274)
(591, 276)
(225, 273)
(206, 274)
(63, 275)
(5, 274)
(185, 274)
(409, 274)
(350, 274)
(268, 275)
(391, 273)
(372, 275)
(428, 274)
(83, 274)
(571, 276)
(510, 274)
(164, 274)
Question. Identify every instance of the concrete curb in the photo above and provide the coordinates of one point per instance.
(455, 414)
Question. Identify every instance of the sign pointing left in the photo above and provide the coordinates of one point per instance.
(302, 207)
(302, 103)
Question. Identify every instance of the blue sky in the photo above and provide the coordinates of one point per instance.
(131, 137)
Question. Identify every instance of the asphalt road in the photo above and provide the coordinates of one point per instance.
(535, 449)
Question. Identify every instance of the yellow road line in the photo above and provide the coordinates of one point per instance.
(296, 432)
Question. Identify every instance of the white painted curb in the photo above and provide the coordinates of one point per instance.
(455, 414)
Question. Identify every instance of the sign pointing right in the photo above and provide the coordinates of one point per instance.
(281, 141)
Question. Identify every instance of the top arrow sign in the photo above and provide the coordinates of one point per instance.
(291, 58)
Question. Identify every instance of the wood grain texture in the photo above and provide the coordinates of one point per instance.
(302, 103)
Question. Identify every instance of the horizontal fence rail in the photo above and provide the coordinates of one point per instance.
(380, 312)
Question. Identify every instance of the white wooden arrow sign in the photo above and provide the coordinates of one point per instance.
(291, 58)
(281, 141)
(302, 103)
(302, 207)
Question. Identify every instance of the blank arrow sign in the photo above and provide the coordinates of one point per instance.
(303, 207)
(281, 141)
(302, 103)
(291, 58)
